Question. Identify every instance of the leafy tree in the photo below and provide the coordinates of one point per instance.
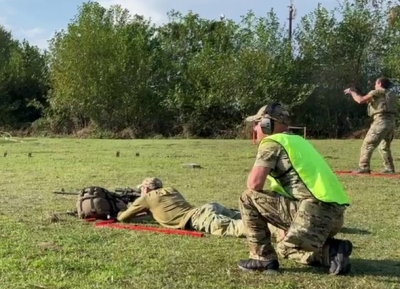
(115, 73)
(23, 81)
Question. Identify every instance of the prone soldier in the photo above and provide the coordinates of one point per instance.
(170, 209)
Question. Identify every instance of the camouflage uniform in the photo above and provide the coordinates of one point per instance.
(170, 209)
(383, 109)
(310, 224)
(166, 205)
(215, 219)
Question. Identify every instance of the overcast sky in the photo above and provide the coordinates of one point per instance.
(37, 20)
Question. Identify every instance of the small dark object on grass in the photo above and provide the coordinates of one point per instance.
(117, 154)
(53, 217)
(192, 166)
(5, 154)
(29, 154)
(137, 154)
(71, 213)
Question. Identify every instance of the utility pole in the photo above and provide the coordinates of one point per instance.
(292, 15)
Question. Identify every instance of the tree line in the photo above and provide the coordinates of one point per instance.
(110, 74)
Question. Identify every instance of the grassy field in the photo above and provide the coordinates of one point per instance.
(36, 252)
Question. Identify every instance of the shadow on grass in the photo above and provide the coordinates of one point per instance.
(383, 268)
(360, 267)
(356, 231)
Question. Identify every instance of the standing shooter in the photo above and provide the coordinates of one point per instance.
(382, 107)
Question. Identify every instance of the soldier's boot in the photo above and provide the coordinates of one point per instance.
(269, 267)
(339, 253)
(389, 166)
(362, 171)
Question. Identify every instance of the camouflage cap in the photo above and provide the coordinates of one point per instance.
(152, 183)
(279, 113)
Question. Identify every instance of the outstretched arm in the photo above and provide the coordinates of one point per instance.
(137, 207)
(359, 98)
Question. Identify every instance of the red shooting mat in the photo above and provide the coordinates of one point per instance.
(134, 227)
(382, 175)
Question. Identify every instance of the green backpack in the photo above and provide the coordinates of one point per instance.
(99, 203)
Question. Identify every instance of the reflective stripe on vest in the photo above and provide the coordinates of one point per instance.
(315, 174)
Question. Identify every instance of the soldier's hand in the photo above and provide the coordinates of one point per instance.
(347, 90)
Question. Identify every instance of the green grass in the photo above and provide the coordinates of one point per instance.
(38, 253)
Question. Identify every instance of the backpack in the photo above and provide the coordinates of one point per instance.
(99, 203)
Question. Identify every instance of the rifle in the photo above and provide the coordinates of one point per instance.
(127, 195)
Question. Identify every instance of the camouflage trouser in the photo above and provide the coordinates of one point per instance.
(380, 133)
(215, 219)
(308, 225)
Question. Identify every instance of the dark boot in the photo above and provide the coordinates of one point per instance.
(362, 171)
(339, 252)
(388, 171)
(269, 267)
